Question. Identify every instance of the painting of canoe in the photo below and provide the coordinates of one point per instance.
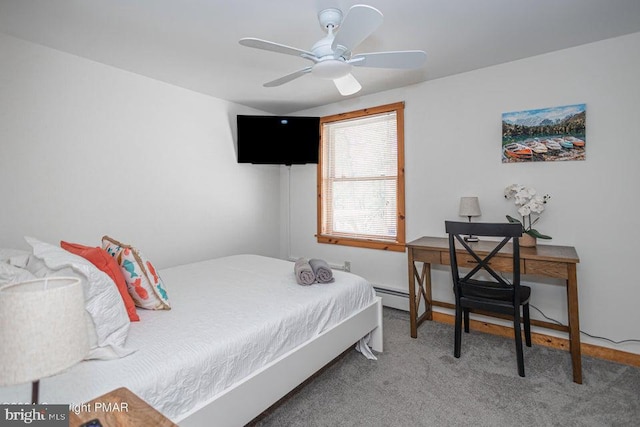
(544, 135)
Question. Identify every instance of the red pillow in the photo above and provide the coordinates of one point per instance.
(106, 263)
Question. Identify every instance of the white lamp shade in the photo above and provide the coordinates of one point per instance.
(469, 206)
(42, 328)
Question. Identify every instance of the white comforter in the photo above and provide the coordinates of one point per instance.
(229, 317)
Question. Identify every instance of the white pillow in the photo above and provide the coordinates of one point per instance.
(109, 324)
(12, 274)
(17, 257)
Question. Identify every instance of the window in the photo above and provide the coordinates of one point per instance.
(361, 178)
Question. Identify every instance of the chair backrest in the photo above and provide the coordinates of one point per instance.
(482, 263)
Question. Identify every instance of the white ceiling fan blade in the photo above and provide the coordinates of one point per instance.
(274, 47)
(361, 20)
(287, 78)
(395, 59)
(347, 85)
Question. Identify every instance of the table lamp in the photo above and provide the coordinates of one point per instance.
(469, 207)
(42, 330)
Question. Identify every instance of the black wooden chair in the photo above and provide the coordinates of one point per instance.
(492, 294)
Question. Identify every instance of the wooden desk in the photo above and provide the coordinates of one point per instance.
(119, 408)
(543, 260)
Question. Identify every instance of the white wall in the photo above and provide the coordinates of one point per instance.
(453, 149)
(88, 150)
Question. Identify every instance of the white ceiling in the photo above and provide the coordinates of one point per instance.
(194, 43)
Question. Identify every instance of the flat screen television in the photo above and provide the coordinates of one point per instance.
(278, 140)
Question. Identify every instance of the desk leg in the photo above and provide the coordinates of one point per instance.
(426, 290)
(413, 309)
(422, 292)
(574, 324)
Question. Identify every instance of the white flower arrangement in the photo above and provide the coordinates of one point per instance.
(529, 203)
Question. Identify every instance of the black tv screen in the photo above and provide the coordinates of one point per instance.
(278, 140)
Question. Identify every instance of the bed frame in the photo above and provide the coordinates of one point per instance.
(248, 398)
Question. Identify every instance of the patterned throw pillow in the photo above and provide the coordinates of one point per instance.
(144, 284)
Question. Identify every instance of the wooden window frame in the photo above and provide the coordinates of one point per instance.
(399, 244)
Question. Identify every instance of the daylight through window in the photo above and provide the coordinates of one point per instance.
(361, 178)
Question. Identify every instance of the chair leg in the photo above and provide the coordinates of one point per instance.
(458, 332)
(518, 338)
(527, 324)
(466, 320)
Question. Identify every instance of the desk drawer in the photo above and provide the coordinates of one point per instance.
(546, 268)
(426, 255)
(467, 261)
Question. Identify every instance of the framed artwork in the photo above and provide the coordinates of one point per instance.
(544, 135)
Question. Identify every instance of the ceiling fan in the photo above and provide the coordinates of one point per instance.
(332, 55)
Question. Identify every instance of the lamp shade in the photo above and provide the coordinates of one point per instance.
(469, 206)
(42, 328)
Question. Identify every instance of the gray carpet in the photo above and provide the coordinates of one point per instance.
(418, 382)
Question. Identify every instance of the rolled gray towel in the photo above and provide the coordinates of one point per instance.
(322, 270)
(304, 272)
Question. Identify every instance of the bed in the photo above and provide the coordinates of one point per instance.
(240, 335)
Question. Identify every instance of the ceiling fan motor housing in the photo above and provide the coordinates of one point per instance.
(328, 66)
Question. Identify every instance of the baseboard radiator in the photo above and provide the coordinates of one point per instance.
(384, 291)
(393, 298)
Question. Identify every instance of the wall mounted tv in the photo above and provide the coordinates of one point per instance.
(278, 140)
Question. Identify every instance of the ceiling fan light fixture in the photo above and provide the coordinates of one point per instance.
(331, 69)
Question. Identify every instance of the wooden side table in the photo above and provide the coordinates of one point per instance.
(119, 408)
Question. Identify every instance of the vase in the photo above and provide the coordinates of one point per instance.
(527, 241)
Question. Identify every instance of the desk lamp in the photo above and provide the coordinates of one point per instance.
(469, 206)
(42, 330)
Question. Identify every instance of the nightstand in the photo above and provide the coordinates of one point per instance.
(119, 408)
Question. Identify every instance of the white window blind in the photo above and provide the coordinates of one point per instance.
(360, 175)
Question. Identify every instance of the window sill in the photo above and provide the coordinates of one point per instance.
(363, 243)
